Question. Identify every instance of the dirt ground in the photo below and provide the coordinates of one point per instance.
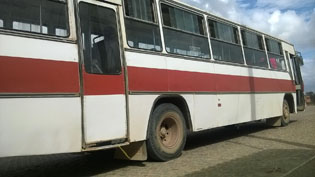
(250, 150)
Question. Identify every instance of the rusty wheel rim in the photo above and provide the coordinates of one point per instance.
(169, 133)
(286, 112)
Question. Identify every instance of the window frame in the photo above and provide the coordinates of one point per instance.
(117, 21)
(226, 23)
(31, 33)
(280, 46)
(257, 34)
(155, 16)
(187, 10)
(205, 35)
(252, 48)
(224, 41)
(155, 23)
(273, 53)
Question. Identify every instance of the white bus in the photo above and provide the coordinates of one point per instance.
(84, 75)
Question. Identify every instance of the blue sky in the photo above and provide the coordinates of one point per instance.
(290, 20)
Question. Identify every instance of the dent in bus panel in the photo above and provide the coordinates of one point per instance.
(38, 16)
(100, 39)
(141, 29)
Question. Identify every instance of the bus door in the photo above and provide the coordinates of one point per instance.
(296, 62)
(102, 75)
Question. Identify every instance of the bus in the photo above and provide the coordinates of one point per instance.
(138, 76)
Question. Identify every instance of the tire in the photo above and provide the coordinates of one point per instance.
(285, 118)
(166, 133)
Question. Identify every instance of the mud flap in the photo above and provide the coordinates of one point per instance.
(135, 151)
(274, 122)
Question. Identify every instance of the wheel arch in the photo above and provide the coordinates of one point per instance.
(178, 101)
(290, 100)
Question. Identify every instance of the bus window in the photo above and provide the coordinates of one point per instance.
(1, 23)
(289, 63)
(275, 55)
(225, 42)
(54, 16)
(100, 40)
(142, 30)
(184, 33)
(37, 16)
(253, 49)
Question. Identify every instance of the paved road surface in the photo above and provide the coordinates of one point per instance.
(252, 150)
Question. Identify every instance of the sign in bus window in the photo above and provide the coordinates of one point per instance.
(100, 40)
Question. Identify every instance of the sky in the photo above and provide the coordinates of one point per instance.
(290, 20)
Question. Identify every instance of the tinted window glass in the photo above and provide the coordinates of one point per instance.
(254, 50)
(143, 35)
(255, 57)
(140, 9)
(224, 42)
(252, 40)
(223, 31)
(141, 30)
(100, 39)
(38, 16)
(183, 33)
(289, 63)
(226, 52)
(179, 19)
(273, 46)
(186, 44)
(54, 17)
(276, 58)
(276, 62)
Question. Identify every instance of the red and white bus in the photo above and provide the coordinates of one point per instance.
(83, 75)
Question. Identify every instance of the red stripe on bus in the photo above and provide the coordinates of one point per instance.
(96, 84)
(160, 80)
(21, 75)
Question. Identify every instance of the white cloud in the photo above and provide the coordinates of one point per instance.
(284, 4)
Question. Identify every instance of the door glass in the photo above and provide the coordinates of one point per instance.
(100, 39)
(295, 70)
(289, 64)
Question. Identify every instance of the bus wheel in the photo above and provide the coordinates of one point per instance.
(166, 133)
(285, 118)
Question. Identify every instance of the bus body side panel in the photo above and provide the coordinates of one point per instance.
(216, 94)
(33, 126)
(40, 107)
